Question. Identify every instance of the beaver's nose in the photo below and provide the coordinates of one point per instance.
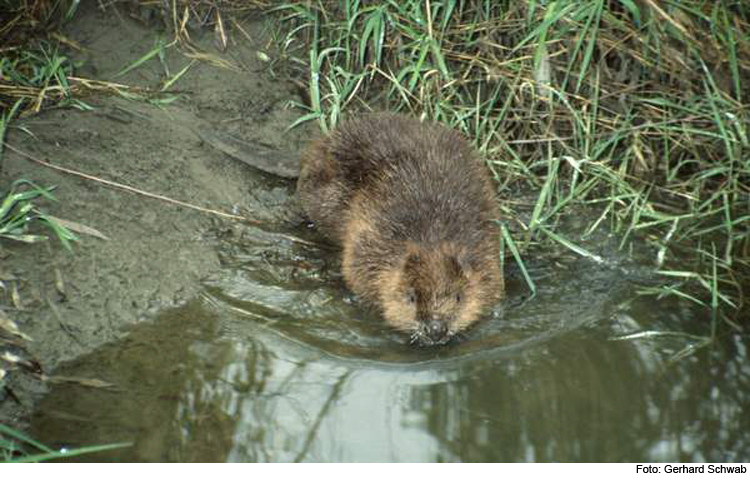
(436, 330)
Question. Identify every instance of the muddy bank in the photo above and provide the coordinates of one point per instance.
(156, 253)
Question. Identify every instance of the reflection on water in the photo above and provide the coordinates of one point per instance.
(202, 385)
(274, 363)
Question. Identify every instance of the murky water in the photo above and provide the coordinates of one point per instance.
(276, 363)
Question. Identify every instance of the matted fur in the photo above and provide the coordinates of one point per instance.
(413, 208)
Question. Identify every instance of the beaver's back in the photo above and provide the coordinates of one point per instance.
(423, 177)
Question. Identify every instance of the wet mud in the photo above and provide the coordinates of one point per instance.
(157, 252)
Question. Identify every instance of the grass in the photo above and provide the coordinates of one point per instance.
(15, 447)
(18, 211)
(636, 109)
(18, 208)
(35, 73)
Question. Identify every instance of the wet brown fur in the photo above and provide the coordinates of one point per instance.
(413, 209)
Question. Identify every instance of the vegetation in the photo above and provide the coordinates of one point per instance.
(35, 73)
(17, 212)
(638, 109)
(14, 445)
(634, 107)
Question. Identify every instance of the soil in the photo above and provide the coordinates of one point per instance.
(157, 253)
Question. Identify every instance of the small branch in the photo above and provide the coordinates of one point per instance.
(124, 187)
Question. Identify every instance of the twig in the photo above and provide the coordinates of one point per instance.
(129, 188)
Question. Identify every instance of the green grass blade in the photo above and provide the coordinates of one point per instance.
(17, 435)
(154, 52)
(507, 239)
(63, 454)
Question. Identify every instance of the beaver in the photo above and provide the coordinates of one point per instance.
(413, 209)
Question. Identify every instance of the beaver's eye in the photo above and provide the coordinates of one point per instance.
(411, 296)
(459, 297)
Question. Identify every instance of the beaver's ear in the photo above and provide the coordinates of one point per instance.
(453, 266)
(458, 266)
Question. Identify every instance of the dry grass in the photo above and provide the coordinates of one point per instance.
(33, 70)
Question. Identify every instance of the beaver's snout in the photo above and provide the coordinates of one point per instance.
(436, 331)
(431, 333)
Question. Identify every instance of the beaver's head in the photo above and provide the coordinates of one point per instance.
(433, 292)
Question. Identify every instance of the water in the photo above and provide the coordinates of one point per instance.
(275, 363)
